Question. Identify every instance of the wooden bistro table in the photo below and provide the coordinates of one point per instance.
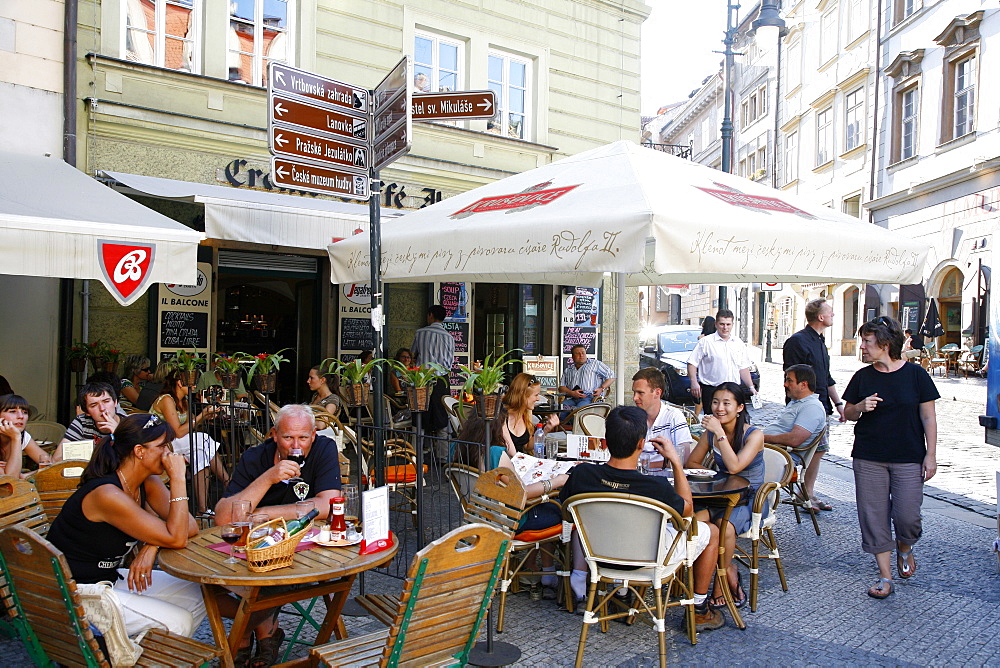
(320, 571)
(722, 491)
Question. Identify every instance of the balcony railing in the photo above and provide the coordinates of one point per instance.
(680, 150)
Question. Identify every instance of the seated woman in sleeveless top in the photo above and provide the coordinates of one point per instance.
(738, 448)
(14, 439)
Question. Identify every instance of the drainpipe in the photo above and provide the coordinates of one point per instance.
(63, 378)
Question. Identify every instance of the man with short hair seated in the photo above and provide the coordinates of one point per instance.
(663, 421)
(101, 414)
(800, 421)
(625, 434)
(262, 478)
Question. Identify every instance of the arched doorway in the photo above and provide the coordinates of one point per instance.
(849, 319)
(950, 307)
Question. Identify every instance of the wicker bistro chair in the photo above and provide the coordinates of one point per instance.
(573, 419)
(44, 430)
(971, 361)
(463, 480)
(592, 425)
(797, 497)
(437, 618)
(56, 483)
(778, 469)
(43, 592)
(499, 499)
(632, 531)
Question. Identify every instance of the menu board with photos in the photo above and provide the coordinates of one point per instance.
(585, 306)
(454, 298)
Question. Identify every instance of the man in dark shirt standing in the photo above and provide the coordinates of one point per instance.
(808, 346)
(625, 430)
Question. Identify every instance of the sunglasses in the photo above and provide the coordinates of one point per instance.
(147, 369)
(152, 422)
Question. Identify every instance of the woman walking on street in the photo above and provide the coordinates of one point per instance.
(895, 448)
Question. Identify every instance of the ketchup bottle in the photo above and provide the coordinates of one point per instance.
(338, 526)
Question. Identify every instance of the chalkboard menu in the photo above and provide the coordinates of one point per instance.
(183, 329)
(453, 298)
(580, 336)
(455, 377)
(460, 332)
(356, 334)
(585, 306)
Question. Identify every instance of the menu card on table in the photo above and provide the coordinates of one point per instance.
(375, 520)
(587, 448)
(77, 450)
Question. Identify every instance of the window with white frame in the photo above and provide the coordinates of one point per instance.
(904, 8)
(509, 78)
(762, 101)
(965, 96)
(437, 63)
(856, 19)
(162, 33)
(824, 136)
(828, 36)
(794, 60)
(909, 112)
(761, 163)
(791, 161)
(854, 111)
(258, 34)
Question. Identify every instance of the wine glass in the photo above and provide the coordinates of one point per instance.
(351, 504)
(299, 486)
(231, 533)
(241, 520)
(256, 520)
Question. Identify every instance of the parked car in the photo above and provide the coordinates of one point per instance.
(667, 348)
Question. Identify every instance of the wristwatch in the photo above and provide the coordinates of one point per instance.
(839, 403)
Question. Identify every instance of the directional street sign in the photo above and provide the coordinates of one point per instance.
(316, 116)
(344, 96)
(393, 99)
(303, 176)
(342, 154)
(391, 146)
(388, 116)
(453, 106)
(397, 80)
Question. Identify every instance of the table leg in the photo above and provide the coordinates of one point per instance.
(333, 621)
(208, 592)
(242, 619)
(722, 574)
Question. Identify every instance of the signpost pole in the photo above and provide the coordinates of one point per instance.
(375, 250)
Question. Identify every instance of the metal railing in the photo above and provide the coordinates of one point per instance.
(679, 150)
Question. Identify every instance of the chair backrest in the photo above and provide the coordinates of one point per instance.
(592, 425)
(445, 597)
(778, 465)
(498, 499)
(44, 594)
(949, 346)
(600, 408)
(264, 403)
(463, 480)
(44, 430)
(626, 529)
(19, 506)
(56, 483)
(808, 449)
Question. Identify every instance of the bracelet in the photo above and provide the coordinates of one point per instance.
(546, 486)
(839, 403)
(179, 498)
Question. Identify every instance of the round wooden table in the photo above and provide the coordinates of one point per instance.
(320, 571)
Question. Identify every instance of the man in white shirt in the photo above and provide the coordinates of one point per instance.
(716, 359)
(664, 423)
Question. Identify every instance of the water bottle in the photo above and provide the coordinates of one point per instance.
(540, 442)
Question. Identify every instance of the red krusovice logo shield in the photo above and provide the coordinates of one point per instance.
(126, 268)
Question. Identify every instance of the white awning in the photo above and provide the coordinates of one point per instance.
(243, 214)
(57, 222)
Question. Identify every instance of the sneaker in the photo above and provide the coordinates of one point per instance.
(706, 619)
(535, 593)
(548, 593)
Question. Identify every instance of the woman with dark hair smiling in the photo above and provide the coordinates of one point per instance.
(895, 448)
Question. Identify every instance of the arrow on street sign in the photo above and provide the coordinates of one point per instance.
(304, 176)
(342, 154)
(454, 105)
(344, 96)
(391, 146)
(393, 127)
(316, 116)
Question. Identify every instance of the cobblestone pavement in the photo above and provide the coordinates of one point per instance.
(948, 614)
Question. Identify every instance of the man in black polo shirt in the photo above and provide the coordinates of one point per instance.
(625, 430)
(262, 474)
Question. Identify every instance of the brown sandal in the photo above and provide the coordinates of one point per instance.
(242, 657)
(267, 650)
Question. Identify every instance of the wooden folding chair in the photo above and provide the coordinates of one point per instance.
(499, 499)
(19, 506)
(56, 483)
(43, 593)
(778, 469)
(797, 497)
(442, 606)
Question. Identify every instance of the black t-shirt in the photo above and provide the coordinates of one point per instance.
(585, 478)
(94, 550)
(893, 431)
(321, 470)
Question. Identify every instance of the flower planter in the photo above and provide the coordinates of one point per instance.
(357, 395)
(110, 366)
(230, 381)
(488, 406)
(418, 398)
(78, 364)
(190, 376)
(265, 382)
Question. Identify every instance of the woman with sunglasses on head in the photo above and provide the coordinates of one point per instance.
(895, 448)
(136, 371)
(519, 426)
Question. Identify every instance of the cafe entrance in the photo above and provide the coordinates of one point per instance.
(508, 316)
(267, 303)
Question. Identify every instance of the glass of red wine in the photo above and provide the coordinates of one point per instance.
(231, 533)
(299, 486)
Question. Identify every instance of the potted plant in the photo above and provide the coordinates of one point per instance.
(95, 353)
(189, 364)
(486, 380)
(352, 375)
(228, 367)
(265, 368)
(111, 356)
(419, 380)
(77, 357)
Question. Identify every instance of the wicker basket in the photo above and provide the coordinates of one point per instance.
(274, 556)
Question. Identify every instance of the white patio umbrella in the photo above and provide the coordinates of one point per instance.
(632, 210)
